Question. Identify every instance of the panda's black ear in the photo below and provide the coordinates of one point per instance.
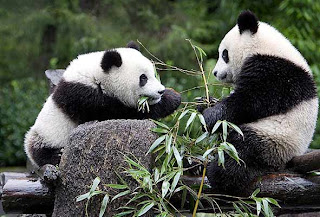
(109, 59)
(248, 21)
(133, 45)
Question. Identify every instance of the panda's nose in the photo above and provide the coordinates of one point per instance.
(215, 73)
(161, 92)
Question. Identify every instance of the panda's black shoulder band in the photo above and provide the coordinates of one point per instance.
(248, 21)
(109, 59)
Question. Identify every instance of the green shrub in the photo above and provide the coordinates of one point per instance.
(21, 101)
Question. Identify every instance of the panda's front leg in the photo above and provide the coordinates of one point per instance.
(213, 114)
(45, 155)
(169, 102)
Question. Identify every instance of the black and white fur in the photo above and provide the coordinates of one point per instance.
(274, 102)
(97, 86)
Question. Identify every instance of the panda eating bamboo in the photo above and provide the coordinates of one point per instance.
(97, 86)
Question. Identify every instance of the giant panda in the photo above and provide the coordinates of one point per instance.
(274, 103)
(97, 86)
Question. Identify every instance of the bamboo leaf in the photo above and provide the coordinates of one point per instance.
(224, 130)
(273, 201)
(202, 121)
(142, 100)
(135, 164)
(183, 114)
(160, 154)
(244, 207)
(216, 126)
(145, 208)
(207, 152)
(202, 137)
(177, 156)
(238, 209)
(258, 207)
(236, 128)
(83, 196)
(190, 120)
(257, 191)
(265, 207)
(165, 163)
(136, 197)
(221, 157)
(104, 205)
(232, 152)
(225, 92)
(121, 194)
(95, 193)
(124, 213)
(175, 181)
(156, 143)
(165, 187)
(159, 130)
(200, 50)
(315, 173)
(117, 186)
(147, 106)
(179, 189)
(156, 174)
(161, 124)
(95, 184)
(147, 182)
(168, 143)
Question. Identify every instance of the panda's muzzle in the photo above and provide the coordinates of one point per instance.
(154, 99)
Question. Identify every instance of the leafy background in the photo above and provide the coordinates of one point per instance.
(40, 34)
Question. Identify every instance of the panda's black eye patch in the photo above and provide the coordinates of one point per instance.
(225, 55)
(143, 80)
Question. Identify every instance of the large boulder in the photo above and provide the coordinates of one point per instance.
(96, 149)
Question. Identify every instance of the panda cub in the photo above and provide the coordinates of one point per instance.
(274, 103)
(97, 86)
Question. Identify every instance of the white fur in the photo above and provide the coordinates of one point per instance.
(52, 127)
(122, 82)
(292, 132)
(59, 123)
(267, 40)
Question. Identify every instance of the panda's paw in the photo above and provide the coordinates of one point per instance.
(209, 117)
(203, 103)
(174, 95)
(50, 173)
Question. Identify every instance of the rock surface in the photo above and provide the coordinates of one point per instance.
(96, 149)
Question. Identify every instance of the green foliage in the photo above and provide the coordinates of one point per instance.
(143, 104)
(21, 101)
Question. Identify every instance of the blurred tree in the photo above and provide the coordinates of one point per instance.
(91, 6)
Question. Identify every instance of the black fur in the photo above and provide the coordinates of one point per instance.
(109, 59)
(248, 21)
(45, 155)
(225, 55)
(82, 103)
(266, 86)
(259, 156)
(143, 80)
(133, 45)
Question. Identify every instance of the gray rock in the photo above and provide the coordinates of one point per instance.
(96, 149)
